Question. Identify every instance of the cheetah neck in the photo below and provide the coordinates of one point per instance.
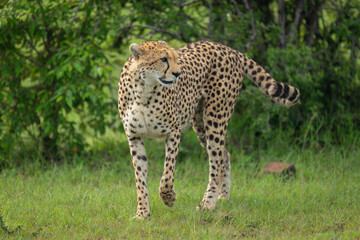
(144, 91)
(139, 89)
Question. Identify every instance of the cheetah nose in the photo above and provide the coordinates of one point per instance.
(176, 74)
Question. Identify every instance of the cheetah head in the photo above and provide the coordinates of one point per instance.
(156, 62)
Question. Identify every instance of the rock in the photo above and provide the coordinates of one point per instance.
(287, 169)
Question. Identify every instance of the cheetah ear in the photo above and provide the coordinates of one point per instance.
(162, 42)
(135, 51)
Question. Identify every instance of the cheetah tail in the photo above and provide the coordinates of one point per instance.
(279, 92)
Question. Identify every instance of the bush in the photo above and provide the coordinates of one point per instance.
(52, 65)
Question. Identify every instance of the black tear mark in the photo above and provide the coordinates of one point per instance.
(168, 66)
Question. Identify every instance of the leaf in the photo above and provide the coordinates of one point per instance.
(47, 130)
(17, 68)
(82, 127)
(58, 94)
(85, 95)
(77, 66)
(59, 99)
(59, 73)
(68, 98)
(84, 56)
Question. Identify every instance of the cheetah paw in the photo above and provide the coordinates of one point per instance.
(168, 197)
(205, 205)
(223, 196)
(142, 214)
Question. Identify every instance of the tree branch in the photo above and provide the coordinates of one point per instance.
(312, 23)
(76, 12)
(33, 47)
(209, 29)
(183, 4)
(297, 19)
(100, 17)
(237, 10)
(253, 27)
(282, 23)
(155, 29)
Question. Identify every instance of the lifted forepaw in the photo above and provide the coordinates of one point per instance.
(168, 197)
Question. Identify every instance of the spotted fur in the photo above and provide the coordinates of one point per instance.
(161, 90)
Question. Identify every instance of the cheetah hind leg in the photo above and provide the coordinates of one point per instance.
(166, 189)
(225, 177)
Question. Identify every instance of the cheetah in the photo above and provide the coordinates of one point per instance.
(162, 90)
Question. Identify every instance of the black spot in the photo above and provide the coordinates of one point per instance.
(285, 94)
(279, 89)
(293, 96)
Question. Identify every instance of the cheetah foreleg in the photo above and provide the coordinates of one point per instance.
(139, 159)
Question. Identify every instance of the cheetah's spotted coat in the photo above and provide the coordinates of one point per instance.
(161, 90)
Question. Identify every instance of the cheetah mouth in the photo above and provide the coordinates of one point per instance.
(165, 82)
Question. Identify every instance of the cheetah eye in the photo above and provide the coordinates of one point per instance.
(164, 59)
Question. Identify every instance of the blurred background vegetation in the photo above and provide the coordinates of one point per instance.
(60, 62)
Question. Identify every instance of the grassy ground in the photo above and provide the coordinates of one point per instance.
(96, 198)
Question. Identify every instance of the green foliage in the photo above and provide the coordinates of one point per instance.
(52, 65)
(58, 59)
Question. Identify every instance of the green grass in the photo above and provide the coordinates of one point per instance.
(96, 198)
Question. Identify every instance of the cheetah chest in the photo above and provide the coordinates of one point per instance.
(140, 121)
